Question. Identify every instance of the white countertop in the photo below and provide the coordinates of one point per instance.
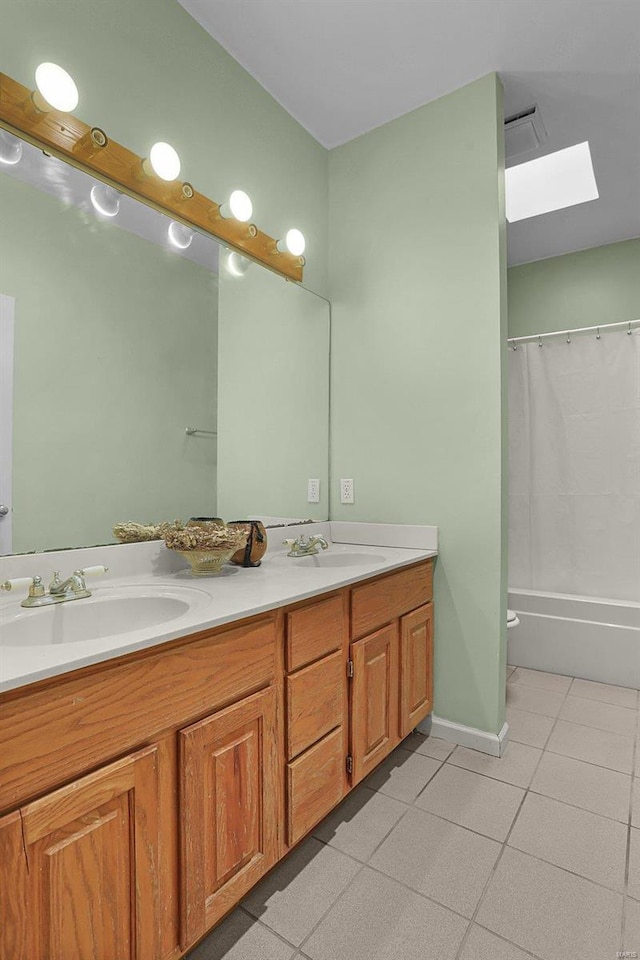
(235, 594)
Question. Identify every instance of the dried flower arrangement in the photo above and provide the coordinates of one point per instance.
(206, 536)
(132, 532)
(207, 546)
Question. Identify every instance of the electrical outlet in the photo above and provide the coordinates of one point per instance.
(313, 491)
(346, 491)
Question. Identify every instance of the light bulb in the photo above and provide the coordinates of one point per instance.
(294, 243)
(105, 200)
(237, 265)
(238, 206)
(10, 148)
(56, 87)
(164, 161)
(179, 235)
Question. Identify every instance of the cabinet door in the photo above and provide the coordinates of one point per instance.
(416, 667)
(231, 808)
(374, 699)
(91, 850)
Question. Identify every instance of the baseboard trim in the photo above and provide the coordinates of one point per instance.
(493, 744)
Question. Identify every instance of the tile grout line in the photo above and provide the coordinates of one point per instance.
(510, 831)
(628, 847)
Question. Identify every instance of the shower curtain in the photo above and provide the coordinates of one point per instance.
(574, 465)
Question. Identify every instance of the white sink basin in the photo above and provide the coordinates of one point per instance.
(109, 612)
(328, 559)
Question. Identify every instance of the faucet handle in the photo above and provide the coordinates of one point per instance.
(96, 571)
(16, 583)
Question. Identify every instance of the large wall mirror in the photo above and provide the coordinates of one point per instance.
(121, 331)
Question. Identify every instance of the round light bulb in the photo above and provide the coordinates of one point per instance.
(179, 235)
(238, 206)
(105, 200)
(237, 265)
(165, 161)
(57, 87)
(10, 148)
(295, 242)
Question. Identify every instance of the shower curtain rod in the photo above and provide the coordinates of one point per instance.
(630, 324)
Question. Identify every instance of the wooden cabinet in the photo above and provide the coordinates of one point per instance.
(141, 798)
(374, 700)
(84, 867)
(230, 810)
(416, 667)
(391, 668)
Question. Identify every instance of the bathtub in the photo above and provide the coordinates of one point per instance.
(586, 637)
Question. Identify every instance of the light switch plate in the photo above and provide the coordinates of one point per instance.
(346, 491)
(313, 491)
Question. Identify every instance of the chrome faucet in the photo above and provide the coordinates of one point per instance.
(60, 591)
(301, 547)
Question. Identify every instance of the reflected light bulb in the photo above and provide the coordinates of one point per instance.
(10, 148)
(294, 243)
(238, 206)
(56, 87)
(179, 235)
(237, 265)
(164, 161)
(105, 200)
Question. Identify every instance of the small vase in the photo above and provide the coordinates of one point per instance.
(256, 546)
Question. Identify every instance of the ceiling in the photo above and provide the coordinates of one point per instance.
(343, 67)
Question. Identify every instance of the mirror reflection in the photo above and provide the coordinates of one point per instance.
(109, 363)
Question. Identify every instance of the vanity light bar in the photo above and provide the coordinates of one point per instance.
(91, 150)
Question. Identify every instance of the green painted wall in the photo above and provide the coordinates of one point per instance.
(417, 280)
(147, 71)
(600, 285)
(273, 411)
(115, 354)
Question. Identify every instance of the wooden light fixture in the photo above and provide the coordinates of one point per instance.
(89, 148)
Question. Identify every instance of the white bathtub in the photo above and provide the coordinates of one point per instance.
(586, 637)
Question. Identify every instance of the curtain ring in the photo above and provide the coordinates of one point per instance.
(629, 331)
(568, 338)
(597, 333)
(515, 345)
(539, 340)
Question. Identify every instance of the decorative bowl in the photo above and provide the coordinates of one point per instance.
(206, 563)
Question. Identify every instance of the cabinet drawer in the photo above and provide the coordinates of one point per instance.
(315, 702)
(315, 784)
(313, 632)
(379, 602)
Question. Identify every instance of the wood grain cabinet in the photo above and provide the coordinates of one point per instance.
(79, 868)
(230, 815)
(142, 798)
(391, 667)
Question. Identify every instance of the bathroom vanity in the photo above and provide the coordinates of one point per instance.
(143, 796)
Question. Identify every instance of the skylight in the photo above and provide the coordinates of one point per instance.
(561, 179)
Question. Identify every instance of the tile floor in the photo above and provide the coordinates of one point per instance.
(448, 854)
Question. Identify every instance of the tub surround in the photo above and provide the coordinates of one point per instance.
(236, 594)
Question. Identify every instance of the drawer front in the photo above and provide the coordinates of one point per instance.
(315, 702)
(315, 784)
(314, 631)
(380, 601)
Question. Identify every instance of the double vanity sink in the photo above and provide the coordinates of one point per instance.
(274, 690)
(132, 612)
